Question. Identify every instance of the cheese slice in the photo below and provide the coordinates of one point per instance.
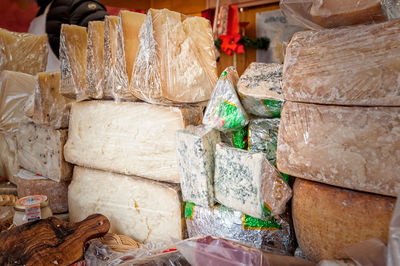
(344, 66)
(195, 148)
(50, 107)
(351, 147)
(329, 219)
(144, 210)
(40, 150)
(247, 182)
(23, 52)
(73, 52)
(127, 137)
(95, 60)
(260, 89)
(8, 156)
(175, 62)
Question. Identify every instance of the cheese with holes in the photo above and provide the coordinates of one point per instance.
(260, 89)
(328, 219)
(8, 156)
(344, 66)
(195, 148)
(144, 210)
(247, 182)
(351, 147)
(40, 150)
(95, 60)
(73, 52)
(128, 138)
(23, 52)
(175, 62)
(50, 107)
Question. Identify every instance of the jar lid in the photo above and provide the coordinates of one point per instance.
(31, 200)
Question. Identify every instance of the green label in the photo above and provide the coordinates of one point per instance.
(254, 223)
(230, 114)
(239, 138)
(189, 208)
(285, 177)
(274, 107)
(224, 74)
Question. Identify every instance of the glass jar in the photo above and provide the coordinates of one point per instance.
(21, 216)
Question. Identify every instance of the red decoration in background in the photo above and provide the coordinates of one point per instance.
(209, 14)
(113, 11)
(233, 20)
(17, 15)
(230, 44)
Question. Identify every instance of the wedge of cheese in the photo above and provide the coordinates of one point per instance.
(40, 150)
(175, 62)
(144, 210)
(51, 108)
(23, 52)
(328, 219)
(95, 60)
(73, 52)
(127, 137)
(8, 156)
(344, 66)
(351, 147)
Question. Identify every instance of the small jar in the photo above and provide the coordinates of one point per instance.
(20, 216)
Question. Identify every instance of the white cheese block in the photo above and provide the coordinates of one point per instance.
(128, 138)
(40, 150)
(195, 153)
(247, 182)
(144, 210)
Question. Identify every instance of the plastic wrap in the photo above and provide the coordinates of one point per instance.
(351, 147)
(393, 255)
(196, 157)
(175, 62)
(260, 89)
(147, 211)
(95, 60)
(318, 63)
(325, 214)
(224, 110)
(210, 250)
(8, 156)
(128, 138)
(23, 52)
(50, 107)
(73, 54)
(319, 14)
(247, 182)
(276, 234)
(236, 138)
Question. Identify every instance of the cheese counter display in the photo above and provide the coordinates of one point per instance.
(158, 142)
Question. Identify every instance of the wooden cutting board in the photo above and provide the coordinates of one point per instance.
(50, 241)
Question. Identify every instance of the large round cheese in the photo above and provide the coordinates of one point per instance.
(327, 219)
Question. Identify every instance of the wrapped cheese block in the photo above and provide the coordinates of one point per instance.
(328, 219)
(195, 153)
(247, 182)
(30, 184)
(95, 60)
(73, 52)
(260, 89)
(236, 138)
(276, 234)
(8, 156)
(224, 110)
(316, 61)
(127, 137)
(23, 52)
(175, 62)
(50, 107)
(40, 150)
(351, 147)
(144, 210)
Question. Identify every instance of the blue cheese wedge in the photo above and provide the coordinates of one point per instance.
(247, 182)
(195, 154)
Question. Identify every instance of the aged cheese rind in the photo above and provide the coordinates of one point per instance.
(344, 66)
(95, 60)
(73, 52)
(144, 210)
(195, 148)
(175, 62)
(351, 147)
(247, 182)
(50, 107)
(328, 219)
(128, 138)
(260, 89)
(40, 150)
(23, 52)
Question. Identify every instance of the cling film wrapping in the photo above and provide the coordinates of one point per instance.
(236, 138)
